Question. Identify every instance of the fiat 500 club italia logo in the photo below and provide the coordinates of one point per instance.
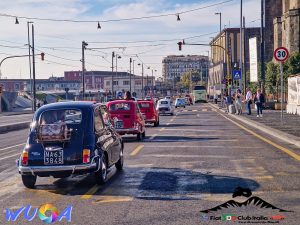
(47, 213)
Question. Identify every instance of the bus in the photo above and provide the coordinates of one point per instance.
(199, 94)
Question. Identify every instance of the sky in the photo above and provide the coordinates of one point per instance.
(144, 40)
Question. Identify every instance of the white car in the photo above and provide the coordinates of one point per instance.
(164, 106)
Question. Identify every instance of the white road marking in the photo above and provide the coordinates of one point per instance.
(9, 156)
(2, 149)
(153, 136)
(187, 156)
(199, 146)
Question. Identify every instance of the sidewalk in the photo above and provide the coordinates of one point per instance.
(270, 123)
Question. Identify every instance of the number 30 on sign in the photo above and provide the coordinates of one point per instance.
(281, 54)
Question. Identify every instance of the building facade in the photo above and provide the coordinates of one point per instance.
(93, 79)
(174, 66)
(122, 84)
(287, 26)
(229, 39)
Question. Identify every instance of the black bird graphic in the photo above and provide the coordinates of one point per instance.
(257, 201)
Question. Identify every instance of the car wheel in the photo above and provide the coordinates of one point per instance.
(183, 106)
(139, 136)
(101, 175)
(176, 107)
(29, 181)
(172, 114)
(119, 164)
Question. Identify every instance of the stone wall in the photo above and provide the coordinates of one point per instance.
(273, 9)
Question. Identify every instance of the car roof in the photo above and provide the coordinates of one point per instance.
(71, 104)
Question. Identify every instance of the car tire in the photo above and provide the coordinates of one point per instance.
(120, 163)
(101, 175)
(29, 181)
(176, 107)
(172, 114)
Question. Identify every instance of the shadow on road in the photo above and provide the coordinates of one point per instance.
(154, 183)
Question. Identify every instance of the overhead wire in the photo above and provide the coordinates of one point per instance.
(116, 20)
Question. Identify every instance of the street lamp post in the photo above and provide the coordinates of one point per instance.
(112, 72)
(83, 46)
(142, 64)
(130, 61)
(117, 57)
(33, 69)
(133, 75)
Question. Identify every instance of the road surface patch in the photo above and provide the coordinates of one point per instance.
(112, 199)
(90, 192)
(283, 149)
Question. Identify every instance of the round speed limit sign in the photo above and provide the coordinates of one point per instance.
(281, 54)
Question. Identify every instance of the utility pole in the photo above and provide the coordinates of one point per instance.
(133, 75)
(29, 58)
(244, 48)
(112, 73)
(142, 80)
(241, 44)
(33, 70)
(130, 61)
(84, 44)
(262, 47)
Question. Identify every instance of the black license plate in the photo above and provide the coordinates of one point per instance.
(53, 157)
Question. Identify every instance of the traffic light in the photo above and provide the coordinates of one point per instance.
(42, 56)
(179, 45)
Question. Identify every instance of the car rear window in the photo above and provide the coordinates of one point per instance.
(164, 102)
(144, 105)
(68, 116)
(120, 107)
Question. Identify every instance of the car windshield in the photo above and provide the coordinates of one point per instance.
(69, 116)
(144, 105)
(123, 106)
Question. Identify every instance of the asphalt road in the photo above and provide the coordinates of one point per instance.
(192, 162)
(12, 119)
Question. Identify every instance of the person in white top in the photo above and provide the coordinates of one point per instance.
(248, 100)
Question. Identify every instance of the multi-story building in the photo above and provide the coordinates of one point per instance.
(174, 66)
(51, 84)
(93, 79)
(122, 84)
(287, 26)
(228, 39)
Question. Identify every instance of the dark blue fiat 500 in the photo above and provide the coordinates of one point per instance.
(70, 138)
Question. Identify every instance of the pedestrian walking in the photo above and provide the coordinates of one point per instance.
(248, 100)
(228, 101)
(238, 102)
(216, 98)
(259, 99)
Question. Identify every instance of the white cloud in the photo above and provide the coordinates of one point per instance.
(71, 34)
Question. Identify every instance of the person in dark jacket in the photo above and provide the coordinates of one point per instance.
(127, 96)
(259, 99)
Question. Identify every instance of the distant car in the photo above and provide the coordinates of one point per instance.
(180, 102)
(164, 106)
(149, 111)
(69, 138)
(126, 118)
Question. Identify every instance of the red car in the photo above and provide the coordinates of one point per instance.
(126, 117)
(149, 111)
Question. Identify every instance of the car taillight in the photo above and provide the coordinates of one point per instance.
(24, 158)
(86, 155)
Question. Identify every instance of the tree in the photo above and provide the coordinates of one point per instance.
(272, 78)
(293, 64)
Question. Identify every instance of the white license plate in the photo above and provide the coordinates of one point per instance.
(53, 157)
(118, 124)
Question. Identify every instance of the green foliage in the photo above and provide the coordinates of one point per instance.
(272, 78)
(293, 64)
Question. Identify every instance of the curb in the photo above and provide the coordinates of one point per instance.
(13, 127)
(288, 138)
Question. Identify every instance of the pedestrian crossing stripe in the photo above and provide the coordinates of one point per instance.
(194, 110)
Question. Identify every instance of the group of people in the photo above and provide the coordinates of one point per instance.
(238, 99)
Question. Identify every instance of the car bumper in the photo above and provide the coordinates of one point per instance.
(49, 170)
(150, 120)
(127, 131)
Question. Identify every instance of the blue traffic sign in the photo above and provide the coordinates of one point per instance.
(236, 74)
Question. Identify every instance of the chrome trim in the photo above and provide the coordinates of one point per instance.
(73, 168)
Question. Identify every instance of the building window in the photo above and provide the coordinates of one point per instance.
(125, 82)
(17, 87)
(107, 83)
(116, 82)
(138, 82)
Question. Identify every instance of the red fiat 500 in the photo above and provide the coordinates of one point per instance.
(127, 118)
(149, 111)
